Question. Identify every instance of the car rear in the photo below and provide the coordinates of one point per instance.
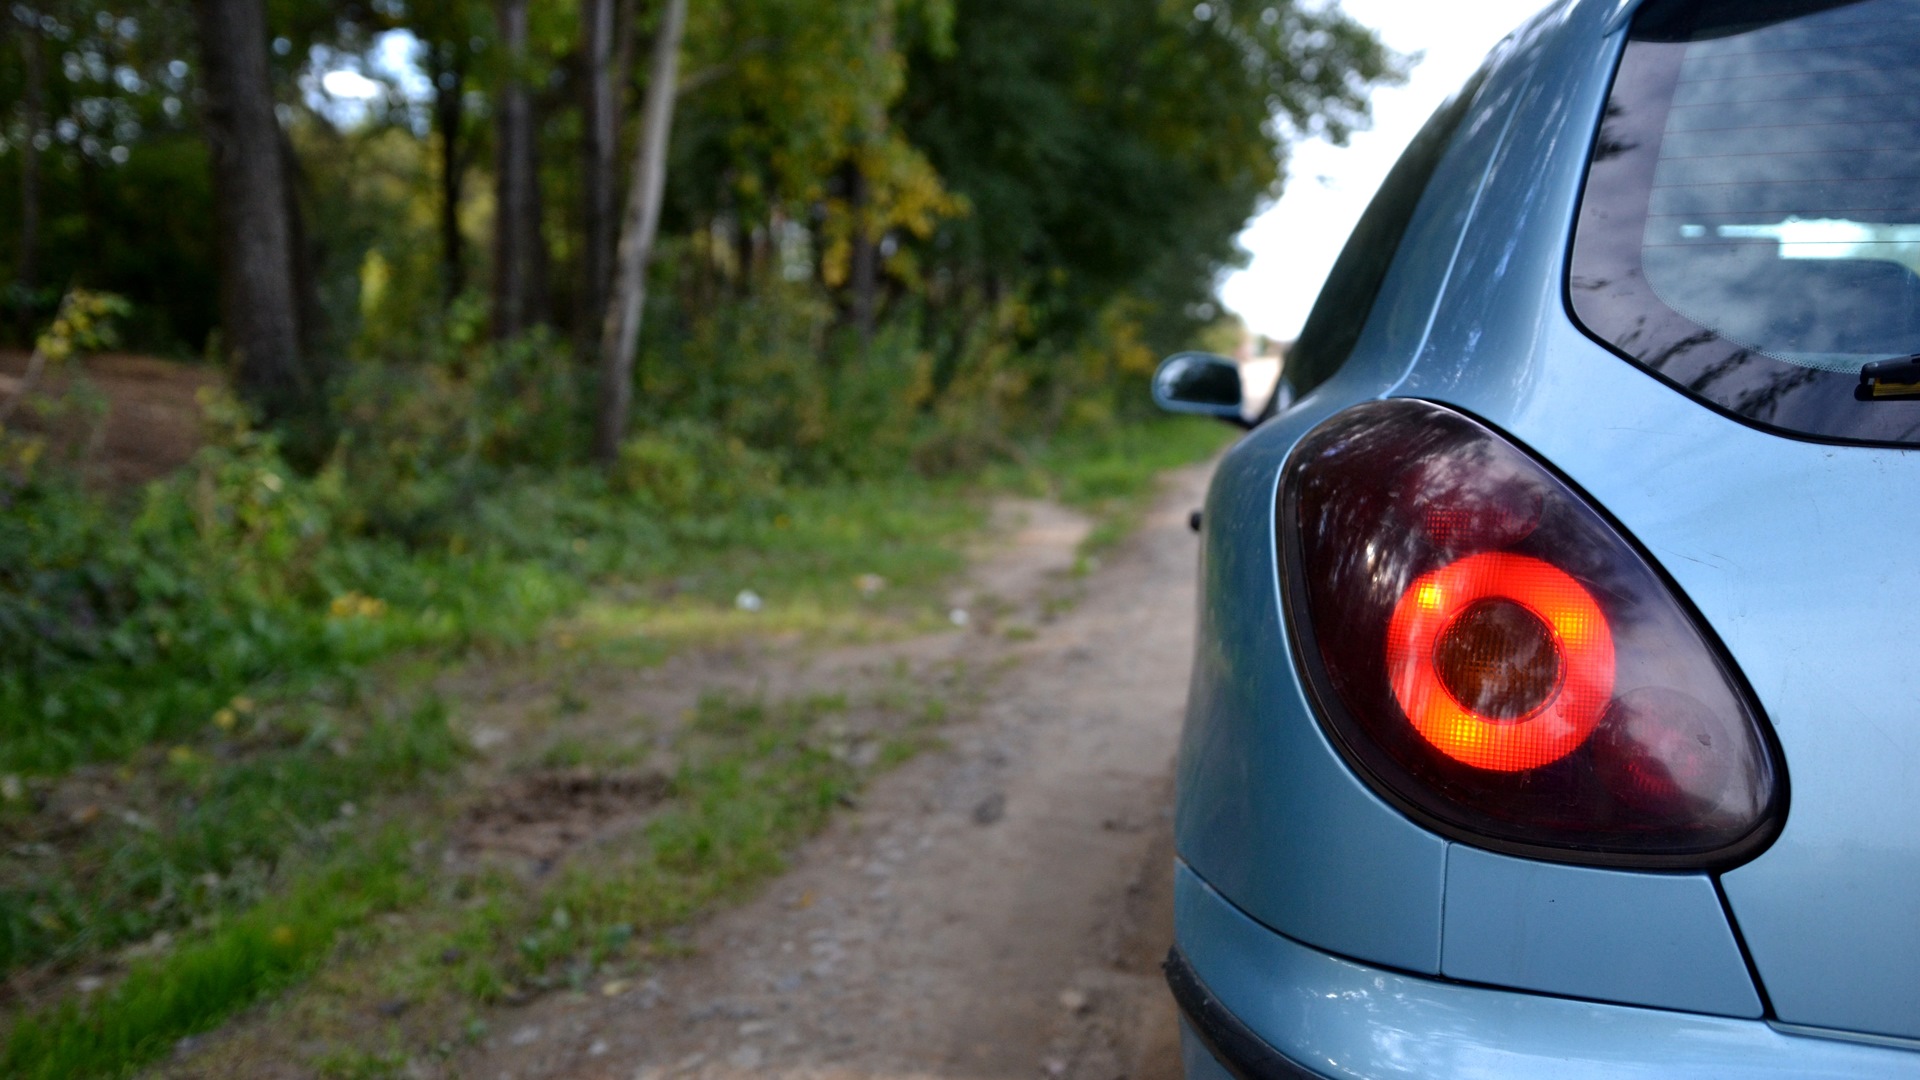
(1649, 261)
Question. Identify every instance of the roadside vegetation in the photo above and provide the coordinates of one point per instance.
(473, 437)
(195, 825)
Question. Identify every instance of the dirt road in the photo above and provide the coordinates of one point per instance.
(997, 908)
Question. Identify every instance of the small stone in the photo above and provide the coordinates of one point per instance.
(486, 738)
(598, 1048)
(12, 788)
(87, 984)
(755, 1027)
(613, 988)
(990, 809)
(748, 601)
(959, 617)
(524, 1036)
(869, 584)
(1073, 1000)
(1055, 1067)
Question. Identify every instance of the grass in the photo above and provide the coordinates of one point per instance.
(756, 778)
(220, 818)
(237, 843)
(196, 986)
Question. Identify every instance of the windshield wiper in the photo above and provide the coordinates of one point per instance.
(1891, 378)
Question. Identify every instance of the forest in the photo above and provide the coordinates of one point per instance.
(501, 305)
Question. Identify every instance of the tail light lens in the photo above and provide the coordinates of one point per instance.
(1499, 661)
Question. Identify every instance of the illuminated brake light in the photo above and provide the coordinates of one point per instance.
(1484, 694)
(1493, 656)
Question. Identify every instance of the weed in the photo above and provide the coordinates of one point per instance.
(219, 829)
(189, 990)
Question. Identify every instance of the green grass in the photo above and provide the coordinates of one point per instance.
(221, 817)
(199, 984)
(1114, 475)
(230, 806)
(755, 779)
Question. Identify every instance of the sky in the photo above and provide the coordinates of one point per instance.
(1295, 241)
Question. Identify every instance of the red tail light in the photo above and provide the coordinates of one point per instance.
(1498, 660)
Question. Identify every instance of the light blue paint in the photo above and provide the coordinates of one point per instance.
(1266, 808)
(1795, 554)
(1265, 804)
(1349, 1021)
(1784, 548)
(1641, 939)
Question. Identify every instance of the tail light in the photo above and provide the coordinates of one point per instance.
(1499, 661)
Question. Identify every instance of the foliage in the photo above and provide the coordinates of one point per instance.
(170, 996)
(223, 816)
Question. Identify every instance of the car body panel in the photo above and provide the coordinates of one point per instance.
(1653, 939)
(1781, 545)
(1341, 841)
(1268, 811)
(1775, 541)
(1347, 1020)
(1347, 871)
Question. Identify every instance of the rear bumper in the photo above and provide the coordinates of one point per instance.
(1261, 1006)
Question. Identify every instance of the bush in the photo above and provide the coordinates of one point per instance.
(422, 443)
(686, 467)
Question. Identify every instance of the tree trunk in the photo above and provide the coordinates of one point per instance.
(864, 273)
(309, 317)
(621, 335)
(34, 100)
(448, 68)
(863, 276)
(249, 181)
(600, 146)
(517, 262)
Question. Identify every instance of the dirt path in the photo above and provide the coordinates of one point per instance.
(997, 908)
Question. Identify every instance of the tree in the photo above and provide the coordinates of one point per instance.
(519, 286)
(33, 101)
(1115, 150)
(629, 298)
(258, 307)
(599, 150)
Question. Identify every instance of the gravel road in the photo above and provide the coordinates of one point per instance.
(995, 908)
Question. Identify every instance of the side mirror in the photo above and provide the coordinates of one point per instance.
(1201, 383)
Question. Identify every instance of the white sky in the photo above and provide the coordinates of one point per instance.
(1295, 241)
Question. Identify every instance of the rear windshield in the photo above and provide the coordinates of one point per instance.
(1751, 225)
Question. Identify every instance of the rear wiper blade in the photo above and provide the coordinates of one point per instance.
(1891, 378)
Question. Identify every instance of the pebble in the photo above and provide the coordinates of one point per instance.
(523, 1036)
(1073, 1000)
(990, 809)
(598, 1048)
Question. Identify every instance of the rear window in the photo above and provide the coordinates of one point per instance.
(1751, 225)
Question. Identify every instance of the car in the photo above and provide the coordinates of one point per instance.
(1555, 710)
